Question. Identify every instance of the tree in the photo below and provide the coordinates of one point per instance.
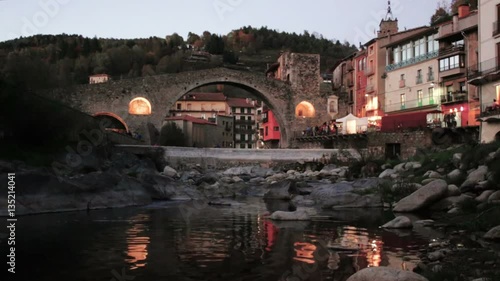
(442, 13)
(215, 45)
(192, 38)
(172, 135)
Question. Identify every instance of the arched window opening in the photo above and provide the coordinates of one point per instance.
(139, 106)
(305, 110)
(112, 122)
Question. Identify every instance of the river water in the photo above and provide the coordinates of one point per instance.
(197, 241)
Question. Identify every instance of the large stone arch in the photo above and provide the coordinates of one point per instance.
(162, 91)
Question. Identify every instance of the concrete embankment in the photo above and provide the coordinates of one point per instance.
(220, 158)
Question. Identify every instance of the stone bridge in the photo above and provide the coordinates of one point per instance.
(162, 91)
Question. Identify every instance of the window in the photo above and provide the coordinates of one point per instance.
(403, 101)
(178, 106)
(188, 106)
(233, 109)
(249, 110)
(267, 131)
(451, 63)
(276, 129)
(371, 50)
(203, 116)
(402, 77)
(431, 95)
(397, 55)
(419, 76)
(432, 44)
(419, 47)
(420, 97)
(243, 137)
(430, 74)
(242, 145)
(249, 145)
(462, 87)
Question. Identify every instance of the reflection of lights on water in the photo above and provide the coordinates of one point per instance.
(137, 244)
(304, 252)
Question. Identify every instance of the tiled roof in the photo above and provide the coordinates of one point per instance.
(239, 102)
(190, 119)
(204, 96)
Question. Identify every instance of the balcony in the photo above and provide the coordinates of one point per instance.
(489, 110)
(244, 122)
(402, 83)
(430, 77)
(410, 104)
(481, 70)
(453, 71)
(451, 50)
(452, 97)
(496, 28)
(411, 61)
(244, 131)
(370, 88)
(369, 71)
(419, 79)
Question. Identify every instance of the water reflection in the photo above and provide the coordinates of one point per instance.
(137, 242)
(214, 244)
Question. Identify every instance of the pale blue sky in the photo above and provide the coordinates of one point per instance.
(352, 20)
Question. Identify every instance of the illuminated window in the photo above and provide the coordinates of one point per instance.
(139, 106)
(305, 109)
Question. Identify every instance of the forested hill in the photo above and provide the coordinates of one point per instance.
(43, 61)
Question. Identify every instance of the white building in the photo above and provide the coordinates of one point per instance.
(486, 74)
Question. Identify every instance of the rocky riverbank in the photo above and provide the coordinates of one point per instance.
(458, 188)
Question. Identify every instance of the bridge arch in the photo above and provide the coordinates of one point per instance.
(116, 121)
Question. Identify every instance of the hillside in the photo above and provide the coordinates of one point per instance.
(44, 61)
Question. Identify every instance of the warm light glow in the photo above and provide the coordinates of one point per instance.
(139, 106)
(112, 115)
(305, 109)
(451, 110)
(304, 252)
(461, 108)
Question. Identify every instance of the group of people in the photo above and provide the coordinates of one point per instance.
(327, 128)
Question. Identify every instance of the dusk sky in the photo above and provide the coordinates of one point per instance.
(351, 20)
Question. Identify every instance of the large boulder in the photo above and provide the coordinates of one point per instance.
(493, 234)
(473, 178)
(387, 173)
(385, 274)
(494, 198)
(362, 193)
(484, 196)
(283, 190)
(449, 203)
(170, 172)
(399, 222)
(454, 175)
(423, 197)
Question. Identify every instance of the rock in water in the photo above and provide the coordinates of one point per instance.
(281, 190)
(399, 222)
(493, 234)
(385, 274)
(299, 215)
(423, 197)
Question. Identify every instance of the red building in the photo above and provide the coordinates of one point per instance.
(360, 60)
(270, 129)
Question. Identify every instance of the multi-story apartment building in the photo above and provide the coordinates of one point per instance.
(243, 111)
(201, 105)
(410, 83)
(486, 74)
(269, 130)
(458, 45)
(360, 97)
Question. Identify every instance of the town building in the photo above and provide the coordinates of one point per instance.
(410, 81)
(201, 105)
(458, 45)
(485, 75)
(197, 132)
(244, 111)
(269, 130)
(361, 71)
(98, 78)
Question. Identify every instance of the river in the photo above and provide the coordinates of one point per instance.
(196, 241)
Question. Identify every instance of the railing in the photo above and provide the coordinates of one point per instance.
(409, 104)
(419, 79)
(483, 68)
(370, 88)
(454, 97)
(411, 61)
(369, 71)
(402, 83)
(244, 122)
(489, 110)
(451, 49)
(244, 131)
(430, 77)
(496, 28)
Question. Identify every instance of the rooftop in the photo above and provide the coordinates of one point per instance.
(239, 102)
(189, 119)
